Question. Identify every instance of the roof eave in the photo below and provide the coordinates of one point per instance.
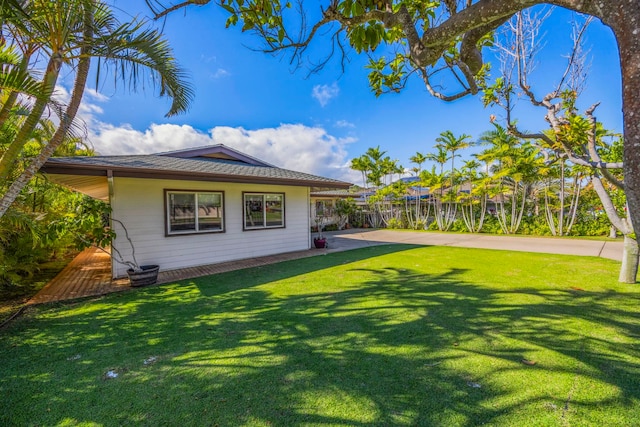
(88, 170)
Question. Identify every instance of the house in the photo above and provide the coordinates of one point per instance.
(323, 203)
(415, 189)
(196, 206)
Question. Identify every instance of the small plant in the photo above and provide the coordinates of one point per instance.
(102, 235)
(344, 209)
(321, 220)
(94, 230)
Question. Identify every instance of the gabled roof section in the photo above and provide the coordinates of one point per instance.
(218, 151)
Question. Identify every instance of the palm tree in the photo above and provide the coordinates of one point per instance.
(363, 165)
(434, 180)
(451, 144)
(448, 145)
(440, 157)
(388, 168)
(418, 159)
(375, 157)
(501, 151)
(69, 33)
(477, 196)
(14, 78)
(498, 142)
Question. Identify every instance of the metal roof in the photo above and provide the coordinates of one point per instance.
(335, 193)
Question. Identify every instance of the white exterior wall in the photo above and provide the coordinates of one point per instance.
(140, 205)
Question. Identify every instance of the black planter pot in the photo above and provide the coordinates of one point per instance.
(320, 243)
(148, 275)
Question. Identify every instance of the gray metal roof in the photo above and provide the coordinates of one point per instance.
(345, 193)
(195, 168)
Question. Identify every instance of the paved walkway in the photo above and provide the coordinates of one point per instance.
(89, 274)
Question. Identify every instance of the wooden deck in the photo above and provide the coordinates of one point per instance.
(88, 274)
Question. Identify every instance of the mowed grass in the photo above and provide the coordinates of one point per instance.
(388, 335)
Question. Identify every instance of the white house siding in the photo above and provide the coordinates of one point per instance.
(139, 204)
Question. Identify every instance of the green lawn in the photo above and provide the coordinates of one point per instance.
(388, 335)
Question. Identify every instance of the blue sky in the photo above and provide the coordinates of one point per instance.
(314, 123)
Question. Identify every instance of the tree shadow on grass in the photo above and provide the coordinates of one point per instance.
(372, 344)
(251, 277)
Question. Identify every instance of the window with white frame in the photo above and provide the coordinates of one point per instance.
(194, 211)
(263, 210)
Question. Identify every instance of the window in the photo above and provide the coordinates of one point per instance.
(194, 212)
(324, 207)
(263, 210)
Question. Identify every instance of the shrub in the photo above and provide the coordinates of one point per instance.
(534, 226)
(591, 224)
(395, 223)
(331, 227)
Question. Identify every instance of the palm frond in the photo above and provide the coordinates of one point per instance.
(12, 79)
(132, 51)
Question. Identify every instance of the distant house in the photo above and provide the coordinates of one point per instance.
(325, 201)
(414, 189)
(197, 206)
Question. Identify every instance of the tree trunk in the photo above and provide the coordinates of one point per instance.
(65, 122)
(8, 159)
(629, 268)
(577, 188)
(626, 26)
(561, 213)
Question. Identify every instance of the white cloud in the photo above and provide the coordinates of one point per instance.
(220, 72)
(207, 59)
(290, 146)
(112, 140)
(324, 93)
(91, 108)
(95, 95)
(344, 124)
(86, 111)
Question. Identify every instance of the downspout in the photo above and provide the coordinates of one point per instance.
(309, 216)
(110, 187)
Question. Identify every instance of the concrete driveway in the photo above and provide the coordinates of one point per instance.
(352, 239)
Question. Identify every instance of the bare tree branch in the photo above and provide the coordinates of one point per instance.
(164, 10)
(576, 57)
(438, 94)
